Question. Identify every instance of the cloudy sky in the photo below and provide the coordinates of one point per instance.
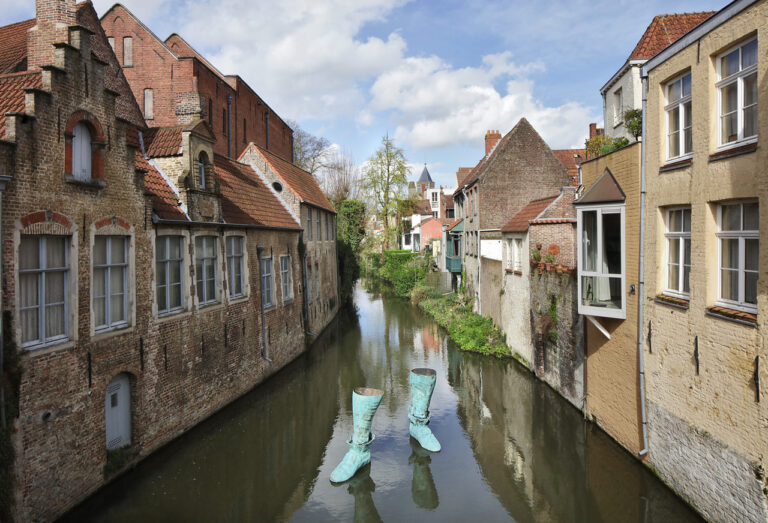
(435, 75)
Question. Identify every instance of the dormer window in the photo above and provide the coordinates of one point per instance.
(202, 161)
(81, 153)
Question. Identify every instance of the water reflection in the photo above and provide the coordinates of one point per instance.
(512, 448)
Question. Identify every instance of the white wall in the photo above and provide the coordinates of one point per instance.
(491, 249)
(631, 88)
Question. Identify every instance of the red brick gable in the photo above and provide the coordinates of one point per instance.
(163, 141)
(300, 181)
(165, 201)
(12, 95)
(520, 221)
(13, 46)
(664, 30)
(246, 199)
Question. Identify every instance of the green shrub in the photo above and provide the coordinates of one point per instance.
(402, 270)
(422, 292)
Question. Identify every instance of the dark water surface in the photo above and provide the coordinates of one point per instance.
(512, 448)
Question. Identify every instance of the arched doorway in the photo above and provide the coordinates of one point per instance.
(117, 412)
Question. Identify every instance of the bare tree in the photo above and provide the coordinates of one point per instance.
(341, 176)
(309, 151)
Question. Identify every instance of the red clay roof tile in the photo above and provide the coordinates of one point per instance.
(165, 202)
(246, 199)
(162, 141)
(665, 30)
(519, 222)
(11, 94)
(14, 45)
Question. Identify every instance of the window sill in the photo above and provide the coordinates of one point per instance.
(111, 333)
(730, 151)
(92, 183)
(672, 301)
(723, 313)
(269, 308)
(677, 163)
(234, 300)
(168, 316)
(514, 271)
(40, 350)
(288, 301)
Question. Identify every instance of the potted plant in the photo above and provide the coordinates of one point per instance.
(549, 260)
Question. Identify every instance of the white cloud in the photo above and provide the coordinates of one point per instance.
(436, 105)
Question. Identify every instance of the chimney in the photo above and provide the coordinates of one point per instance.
(491, 139)
(53, 18)
(594, 131)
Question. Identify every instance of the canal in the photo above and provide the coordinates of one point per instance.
(513, 450)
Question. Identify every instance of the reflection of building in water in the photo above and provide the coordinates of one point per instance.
(431, 337)
(540, 457)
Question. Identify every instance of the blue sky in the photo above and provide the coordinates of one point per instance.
(435, 75)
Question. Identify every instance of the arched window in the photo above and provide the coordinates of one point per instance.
(202, 161)
(117, 412)
(81, 152)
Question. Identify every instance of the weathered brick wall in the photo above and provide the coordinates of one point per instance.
(182, 368)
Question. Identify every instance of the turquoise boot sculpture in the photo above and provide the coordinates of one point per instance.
(422, 386)
(365, 401)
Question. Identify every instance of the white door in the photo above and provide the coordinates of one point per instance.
(117, 410)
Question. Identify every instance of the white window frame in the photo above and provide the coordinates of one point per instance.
(285, 278)
(82, 151)
(671, 106)
(201, 279)
(679, 237)
(267, 282)
(738, 78)
(741, 235)
(108, 266)
(41, 271)
(618, 107)
(166, 264)
(235, 260)
(588, 310)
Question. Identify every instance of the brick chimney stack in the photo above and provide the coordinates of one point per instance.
(53, 18)
(491, 139)
(594, 131)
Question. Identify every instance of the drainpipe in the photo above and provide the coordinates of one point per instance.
(3, 181)
(641, 276)
(264, 353)
(229, 126)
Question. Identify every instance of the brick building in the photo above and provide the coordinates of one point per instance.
(516, 169)
(137, 301)
(175, 85)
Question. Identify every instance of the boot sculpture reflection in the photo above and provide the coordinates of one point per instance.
(422, 386)
(365, 401)
(423, 490)
(361, 487)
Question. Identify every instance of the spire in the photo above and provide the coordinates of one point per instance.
(425, 177)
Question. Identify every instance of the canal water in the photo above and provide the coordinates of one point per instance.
(513, 450)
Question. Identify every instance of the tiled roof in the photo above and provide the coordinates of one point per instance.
(663, 31)
(568, 157)
(454, 224)
(559, 211)
(246, 199)
(422, 207)
(519, 222)
(462, 174)
(300, 181)
(11, 95)
(163, 141)
(165, 202)
(14, 45)
(447, 201)
(606, 189)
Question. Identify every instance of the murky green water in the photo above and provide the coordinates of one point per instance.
(512, 448)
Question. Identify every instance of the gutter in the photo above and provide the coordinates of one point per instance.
(641, 282)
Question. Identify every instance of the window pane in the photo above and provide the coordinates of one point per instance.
(210, 290)
(116, 280)
(210, 271)
(729, 283)
(29, 325)
(751, 216)
(750, 287)
(731, 218)
(688, 131)
(673, 275)
(686, 279)
(116, 308)
(686, 81)
(175, 296)
(612, 243)
(54, 287)
(160, 248)
(56, 253)
(686, 220)
(674, 145)
(674, 119)
(675, 221)
(160, 269)
(100, 250)
(601, 291)
(751, 254)
(117, 249)
(174, 272)
(54, 321)
(729, 64)
(209, 248)
(730, 253)
(750, 121)
(29, 252)
(100, 311)
(28, 286)
(161, 297)
(687, 253)
(174, 248)
(674, 250)
(589, 240)
(99, 282)
(749, 54)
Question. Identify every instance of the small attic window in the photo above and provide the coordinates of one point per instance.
(277, 187)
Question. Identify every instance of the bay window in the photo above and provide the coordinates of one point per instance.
(738, 255)
(110, 282)
(43, 289)
(678, 237)
(169, 268)
(737, 93)
(205, 269)
(679, 117)
(601, 261)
